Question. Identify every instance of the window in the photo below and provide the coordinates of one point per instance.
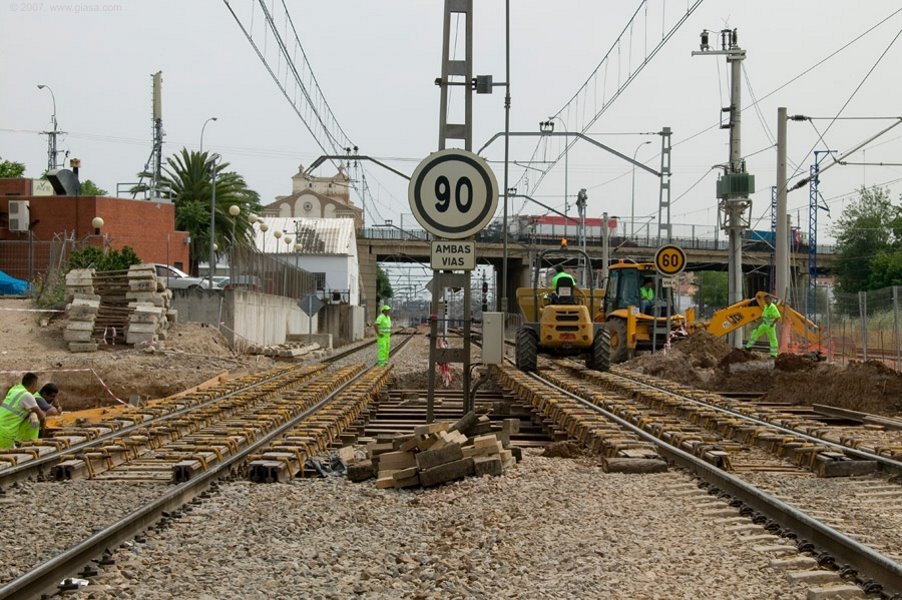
(320, 279)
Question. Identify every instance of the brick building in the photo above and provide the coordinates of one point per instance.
(147, 226)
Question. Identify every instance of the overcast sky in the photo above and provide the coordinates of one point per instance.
(376, 61)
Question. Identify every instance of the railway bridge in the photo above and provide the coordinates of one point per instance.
(376, 245)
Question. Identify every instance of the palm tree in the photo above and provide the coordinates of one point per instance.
(188, 178)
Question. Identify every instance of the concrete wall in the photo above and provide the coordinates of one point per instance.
(343, 321)
(243, 315)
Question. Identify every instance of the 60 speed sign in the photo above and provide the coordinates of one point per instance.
(453, 193)
(670, 260)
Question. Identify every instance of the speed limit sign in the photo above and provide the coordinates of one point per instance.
(670, 260)
(453, 193)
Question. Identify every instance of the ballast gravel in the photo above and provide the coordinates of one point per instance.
(42, 519)
(551, 528)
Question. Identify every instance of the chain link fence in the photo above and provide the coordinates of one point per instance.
(865, 326)
(279, 275)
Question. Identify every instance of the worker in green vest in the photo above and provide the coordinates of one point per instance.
(382, 327)
(769, 317)
(20, 415)
(647, 296)
(561, 278)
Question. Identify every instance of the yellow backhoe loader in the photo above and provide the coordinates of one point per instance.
(629, 328)
(748, 311)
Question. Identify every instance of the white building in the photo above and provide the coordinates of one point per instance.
(326, 248)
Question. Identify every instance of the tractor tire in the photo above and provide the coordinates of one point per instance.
(600, 358)
(616, 329)
(527, 349)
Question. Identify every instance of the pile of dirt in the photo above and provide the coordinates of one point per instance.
(34, 342)
(790, 363)
(690, 361)
(736, 356)
(198, 338)
(707, 362)
(869, 387)
(703, 349)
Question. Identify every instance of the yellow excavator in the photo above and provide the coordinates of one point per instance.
(748, 311)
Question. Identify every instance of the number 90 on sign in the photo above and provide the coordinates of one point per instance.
(453, 194)
(670, 260)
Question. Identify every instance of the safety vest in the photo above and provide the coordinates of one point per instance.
(562, 275)
(383, 325)
(648, 294)
(11, 411)
(771, 313)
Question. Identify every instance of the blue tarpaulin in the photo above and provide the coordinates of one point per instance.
(10, 286)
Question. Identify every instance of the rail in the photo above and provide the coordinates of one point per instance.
(46, 576)
(881, 569)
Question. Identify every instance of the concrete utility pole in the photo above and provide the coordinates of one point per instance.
(781, 250)
(735, 185)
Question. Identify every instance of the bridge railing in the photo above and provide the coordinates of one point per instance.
(689, 237)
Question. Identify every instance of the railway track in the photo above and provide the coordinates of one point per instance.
(301, 421)
(847, 522)
(134, 442)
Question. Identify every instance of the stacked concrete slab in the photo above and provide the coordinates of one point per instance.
(81, 310)
(150, 300)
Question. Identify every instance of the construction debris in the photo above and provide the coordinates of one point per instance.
(289, 350)
(436, 453)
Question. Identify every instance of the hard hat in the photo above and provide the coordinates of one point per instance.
(386, 307)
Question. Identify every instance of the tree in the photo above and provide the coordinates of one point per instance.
(868, 228)
(95, 258)
(89, 188)
(188, 178)
(712, 289)
(12, 169)
(383, 285)
(886, 270)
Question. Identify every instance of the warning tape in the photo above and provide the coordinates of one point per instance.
(106, 388)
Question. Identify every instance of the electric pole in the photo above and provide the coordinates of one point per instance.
(781, 247)
(735, 185)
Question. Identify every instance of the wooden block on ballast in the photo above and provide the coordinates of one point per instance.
(439, 456)
(457, 469)
(396, 461)
(361, 471)
(487, 465)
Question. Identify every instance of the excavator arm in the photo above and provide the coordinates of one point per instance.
(748, 311)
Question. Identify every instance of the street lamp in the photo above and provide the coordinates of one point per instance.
(213, 161)
(633, 202)
(263, 229)
(51, 146)
(202, 131)
(234, 211)
(277, 234)
(97, 223)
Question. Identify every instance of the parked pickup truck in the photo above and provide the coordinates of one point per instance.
(179, 280)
